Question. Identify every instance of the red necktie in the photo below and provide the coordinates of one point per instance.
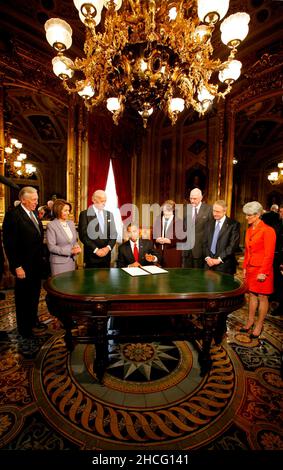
(136, 252)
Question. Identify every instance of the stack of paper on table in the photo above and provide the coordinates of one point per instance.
(144, 270)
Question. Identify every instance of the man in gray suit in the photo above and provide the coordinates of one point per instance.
(221, 240)
(196, 219)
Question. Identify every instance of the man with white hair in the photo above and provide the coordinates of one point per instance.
(201, 213)
(221, 240)
(23, 243)
(97, 232)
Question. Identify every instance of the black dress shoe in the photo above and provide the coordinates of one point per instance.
(40, 326)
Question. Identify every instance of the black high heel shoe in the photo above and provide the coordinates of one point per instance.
(246, 330)
(252, 336)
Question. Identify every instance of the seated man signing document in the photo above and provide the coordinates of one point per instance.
(136, 251)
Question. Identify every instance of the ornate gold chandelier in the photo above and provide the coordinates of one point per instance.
(276, 177)
(14, 160)
(149, 54)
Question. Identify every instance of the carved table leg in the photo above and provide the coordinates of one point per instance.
(220, 328)
(101, 347)
(68, 324)
(209, 326)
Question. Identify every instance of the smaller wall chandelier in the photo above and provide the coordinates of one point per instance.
(14, 160)
(149, 54)
(276, 177)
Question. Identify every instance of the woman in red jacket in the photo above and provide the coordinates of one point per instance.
(258, 266)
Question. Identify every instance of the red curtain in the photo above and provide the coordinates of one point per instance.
(99, 154)
(107, 141)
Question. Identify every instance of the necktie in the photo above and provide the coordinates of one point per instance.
(100, 220)
(32, 216)
(165, 227)
(195, 214)
(136, 252)
(215, 238)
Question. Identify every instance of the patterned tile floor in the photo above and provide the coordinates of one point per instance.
(152, 397)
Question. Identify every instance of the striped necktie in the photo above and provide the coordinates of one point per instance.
(34, 220)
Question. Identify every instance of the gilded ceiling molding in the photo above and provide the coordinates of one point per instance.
(25, 68)
(265, 77)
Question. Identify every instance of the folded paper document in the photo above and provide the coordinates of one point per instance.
(144, 270)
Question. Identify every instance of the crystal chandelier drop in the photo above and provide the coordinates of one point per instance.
(14, 160)
(149, 54)
(276, 177)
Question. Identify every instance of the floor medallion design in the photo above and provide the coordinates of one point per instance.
(130, 412)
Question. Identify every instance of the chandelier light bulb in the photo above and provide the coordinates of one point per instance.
(211, 11)
(86, 92)
(63, 67)
(58, 34)
(8, 150)
(113, 104)
(231, 72)
(234, 29)
(13, 141)
(18, 145)
(173, 13)
(204, 96)
(143, 65)
(177, 105)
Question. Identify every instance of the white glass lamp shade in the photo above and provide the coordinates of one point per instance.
(58, 34)
(18, 145)
(17, 164)
(234, 29)
(211, 11)
(8, 150)
(273, 176)
(13, 141)
(231, 72)
(86, 92)
(85, 19)
(113, 104)
(63, 67)
(204, 96)
(280, 165)
(177, 105)
(118, 4)
(22, 157)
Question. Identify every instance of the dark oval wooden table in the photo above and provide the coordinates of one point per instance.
(84, 300)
